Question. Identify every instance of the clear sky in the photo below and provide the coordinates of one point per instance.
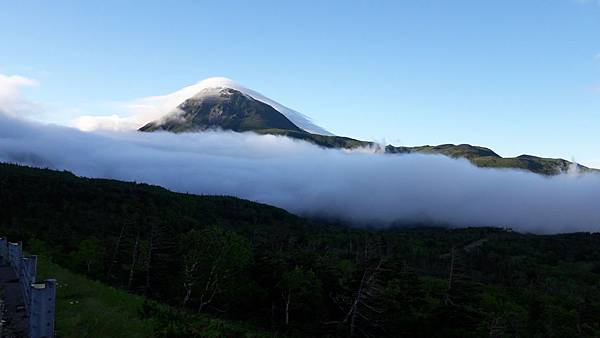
(518, 76)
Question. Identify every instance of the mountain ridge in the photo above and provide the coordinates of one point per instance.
(227, 108)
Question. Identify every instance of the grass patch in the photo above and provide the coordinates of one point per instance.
(86, 308)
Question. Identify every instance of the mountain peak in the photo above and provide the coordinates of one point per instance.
(300, 120)
(222, 108)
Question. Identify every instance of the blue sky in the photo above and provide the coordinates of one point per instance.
(516, 76)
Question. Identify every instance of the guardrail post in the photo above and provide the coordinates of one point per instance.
(41, 317)
(15, 252)
(27, 276)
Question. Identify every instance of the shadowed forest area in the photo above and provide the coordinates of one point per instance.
(257, 270)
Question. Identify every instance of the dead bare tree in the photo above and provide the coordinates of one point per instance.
(134, 256)
(115, 255)
(456, 276)
(361, 310)
(211, 258)
(192, 275)
(448, 299)
(149, 256)
(211, 287)
(189, 280)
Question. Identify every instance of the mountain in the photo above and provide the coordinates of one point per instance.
(224, 108)
(220, 103)
(297, 118)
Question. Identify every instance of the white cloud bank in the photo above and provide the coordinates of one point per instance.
(11, 100)
(360, 187)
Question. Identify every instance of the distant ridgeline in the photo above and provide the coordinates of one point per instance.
(229, 109)
(28, 306)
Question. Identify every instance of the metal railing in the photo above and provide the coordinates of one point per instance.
(39, 297)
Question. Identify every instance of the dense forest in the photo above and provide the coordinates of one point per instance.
(279, 273)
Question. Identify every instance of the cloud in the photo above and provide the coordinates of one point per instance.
(140, 111)
(362, 187)
(12, 101)
(109, 123)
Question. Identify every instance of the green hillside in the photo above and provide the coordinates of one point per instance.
(320, 140)
(486, 158)
(462, 150)
(235, 266)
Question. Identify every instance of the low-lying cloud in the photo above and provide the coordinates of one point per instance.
(136, 113)
(360, 187)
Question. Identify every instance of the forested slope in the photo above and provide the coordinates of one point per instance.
(247, 262)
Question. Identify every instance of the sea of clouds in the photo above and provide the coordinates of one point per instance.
(363, 187)
(360, 187)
